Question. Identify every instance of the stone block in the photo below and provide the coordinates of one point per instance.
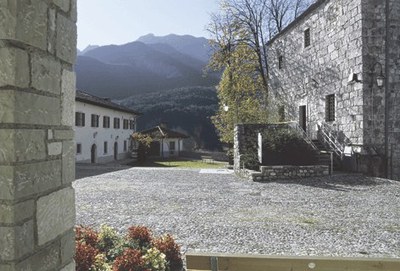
(69, 267)
(47, 259)
(16, 213)
(54, 148)
(68, 98)
(28, 108)
(66, 39)
(6, 267)
(55, 214)
(46, 73)
(51, 41)
(14, 65)
(64, 134)
(74, 14)
(6, 183)
(68, 247)
(68, 162)
(16, 241)
(25, 21)
(29, 179)
(22, 145)
(63, 4)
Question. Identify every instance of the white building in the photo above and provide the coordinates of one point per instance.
(102, 129)
(166, 142)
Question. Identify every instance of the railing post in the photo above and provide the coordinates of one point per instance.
(214, 263)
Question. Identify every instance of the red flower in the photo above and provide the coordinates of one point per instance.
(140, 234)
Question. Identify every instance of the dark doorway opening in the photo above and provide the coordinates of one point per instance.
(303, 117)
(155, 148)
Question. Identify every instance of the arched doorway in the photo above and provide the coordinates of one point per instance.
(93, 153)
(116, 151)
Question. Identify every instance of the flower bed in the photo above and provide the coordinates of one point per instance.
(138, 250)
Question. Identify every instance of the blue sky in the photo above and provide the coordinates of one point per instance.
(102, 22)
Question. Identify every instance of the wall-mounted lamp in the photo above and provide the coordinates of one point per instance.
(380, 78)
(353, 78)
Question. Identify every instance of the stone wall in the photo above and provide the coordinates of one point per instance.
(37, 86)
(309, 74)
(271, 173)
(347, 37)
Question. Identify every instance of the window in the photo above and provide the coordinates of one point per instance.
(281, 112)
(105, 147)
(131, 125)
(125, 145)
(307, 37)
(171, 147)
(78, 148)
(126, 124)
(116, 123)
(330, 108)
(80, 119)
(106, 122)
(95, 120)
(280, 62)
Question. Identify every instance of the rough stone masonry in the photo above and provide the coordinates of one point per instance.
(356, 39)
(37, 88)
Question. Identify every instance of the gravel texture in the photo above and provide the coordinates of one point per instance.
(340, 215)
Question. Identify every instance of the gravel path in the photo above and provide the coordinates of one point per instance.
(342, 215)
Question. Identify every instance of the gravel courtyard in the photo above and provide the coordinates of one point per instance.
(342, 215)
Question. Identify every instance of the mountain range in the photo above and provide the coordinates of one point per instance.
(148, 64)
(161, 77)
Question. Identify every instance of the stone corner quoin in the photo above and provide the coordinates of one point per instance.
(37, 93)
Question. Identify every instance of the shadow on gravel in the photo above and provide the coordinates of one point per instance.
(89, 170)
(338, 182)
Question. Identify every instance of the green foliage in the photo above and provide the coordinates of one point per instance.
(142, 142)
(286, 147)
(185, 109)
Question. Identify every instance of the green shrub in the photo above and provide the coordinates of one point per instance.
(286, 147)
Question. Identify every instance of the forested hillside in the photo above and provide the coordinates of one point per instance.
(185, 109)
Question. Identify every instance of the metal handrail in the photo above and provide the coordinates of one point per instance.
(330, 138)
(304, 135)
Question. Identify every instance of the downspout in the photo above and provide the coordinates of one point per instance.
(387, 29)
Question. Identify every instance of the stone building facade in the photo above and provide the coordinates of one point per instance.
(323, 71)
(37, 165)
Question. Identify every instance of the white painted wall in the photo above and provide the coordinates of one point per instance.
(87, 135)
(164, 148)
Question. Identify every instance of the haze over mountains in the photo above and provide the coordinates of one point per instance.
(149, 64)
(161, 77)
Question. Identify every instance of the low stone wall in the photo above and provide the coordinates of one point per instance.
(270, 173)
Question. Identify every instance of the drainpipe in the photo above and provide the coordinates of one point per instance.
(387, 29)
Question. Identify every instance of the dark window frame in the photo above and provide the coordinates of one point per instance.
(95, 120)
(79, 119)
(106, 122)
(307, 38)
(78, 148)
(280, 62)
(117, 123)
(105, 147)
(330, 108)
(125, 124)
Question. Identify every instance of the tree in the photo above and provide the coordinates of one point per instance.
(239, 37)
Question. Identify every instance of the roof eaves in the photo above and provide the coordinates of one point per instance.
(308, 11)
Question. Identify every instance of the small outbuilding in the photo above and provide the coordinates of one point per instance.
(166, 142)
